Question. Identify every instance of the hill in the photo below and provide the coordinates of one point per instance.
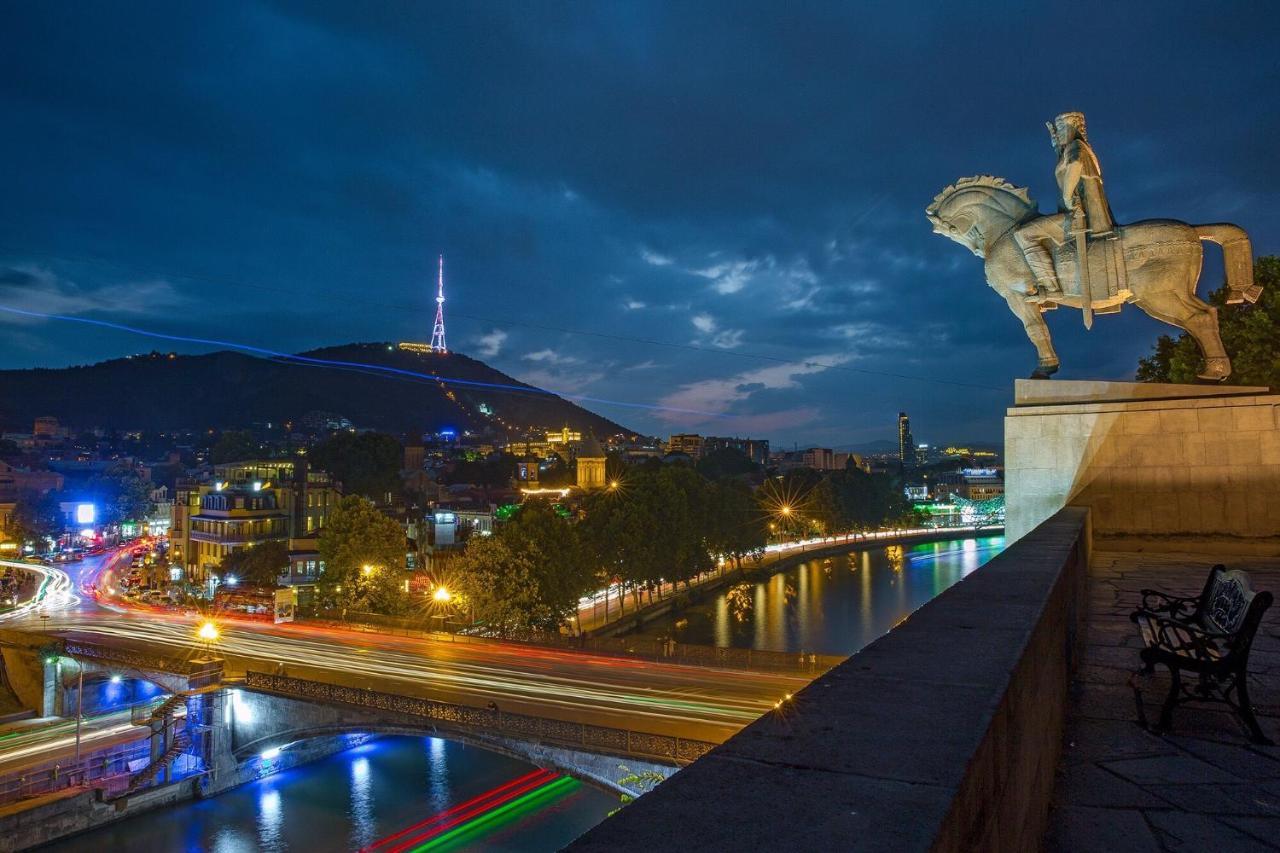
(164, 391)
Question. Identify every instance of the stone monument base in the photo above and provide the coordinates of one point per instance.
(1190, 467)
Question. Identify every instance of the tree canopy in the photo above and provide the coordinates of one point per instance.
(120, 495)
(1250, 333)
(260, 565)
(366, 463)
(529, 575)
(35, 517)
(364, 555)
(235, 446)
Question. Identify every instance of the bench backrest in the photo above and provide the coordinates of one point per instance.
(1227, 603)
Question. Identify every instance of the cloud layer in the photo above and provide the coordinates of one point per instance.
(665, 203)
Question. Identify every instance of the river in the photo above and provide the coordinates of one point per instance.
(829, 606)
(359, 797)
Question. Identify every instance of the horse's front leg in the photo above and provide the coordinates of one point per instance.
(1037, 330)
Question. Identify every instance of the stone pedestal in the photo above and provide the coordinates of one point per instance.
(1193, 463)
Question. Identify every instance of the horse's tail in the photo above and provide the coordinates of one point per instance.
(1237, 257)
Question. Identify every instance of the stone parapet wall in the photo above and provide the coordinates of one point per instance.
(1199, 467)
(942, 735)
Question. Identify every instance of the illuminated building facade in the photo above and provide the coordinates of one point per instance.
(245, 504)
(591, 465)
(755, 449)
(687, 443)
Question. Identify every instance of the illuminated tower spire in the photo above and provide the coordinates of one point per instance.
(437, 332)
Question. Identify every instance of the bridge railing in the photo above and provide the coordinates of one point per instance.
(489, 721)
(198, 671)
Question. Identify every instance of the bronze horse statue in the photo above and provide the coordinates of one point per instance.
(1156, 263)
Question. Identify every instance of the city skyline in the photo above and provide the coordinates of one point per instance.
(752, 189)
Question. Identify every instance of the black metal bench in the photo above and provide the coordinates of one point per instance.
(1209, 635)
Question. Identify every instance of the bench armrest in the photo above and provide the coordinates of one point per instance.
(1182, 638)
(1173, 606)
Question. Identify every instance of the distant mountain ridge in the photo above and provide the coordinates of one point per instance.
(163, 391)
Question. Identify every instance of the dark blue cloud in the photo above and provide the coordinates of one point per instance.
(746, 178)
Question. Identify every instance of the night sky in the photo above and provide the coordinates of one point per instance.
(702, 206)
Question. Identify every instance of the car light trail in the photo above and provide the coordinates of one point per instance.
(55, 590)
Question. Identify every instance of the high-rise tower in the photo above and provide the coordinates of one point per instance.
(437, 332)
(906, 443)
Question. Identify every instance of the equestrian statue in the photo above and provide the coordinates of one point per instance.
(1080, 257)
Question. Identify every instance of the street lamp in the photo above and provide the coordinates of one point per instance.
(208, 633)
(367, 569)
(442, 595)
(57, 661)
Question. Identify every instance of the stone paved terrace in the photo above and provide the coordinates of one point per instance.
(1203, 786)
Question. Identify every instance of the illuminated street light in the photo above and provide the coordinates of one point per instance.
(208, 632)
(786, 509)
(613, 484)
(442, 594)
(367, 569)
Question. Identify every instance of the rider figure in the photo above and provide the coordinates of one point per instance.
(1080, 195)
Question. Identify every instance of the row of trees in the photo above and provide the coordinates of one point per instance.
(661, 523)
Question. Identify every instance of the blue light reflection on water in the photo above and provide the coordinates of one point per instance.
(351, 799)
(833, 606)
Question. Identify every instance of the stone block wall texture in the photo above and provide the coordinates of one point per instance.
(1203, 467)
(943, 735)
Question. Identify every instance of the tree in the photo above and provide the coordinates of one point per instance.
(120, 495)
(562, 569)
(364, 554)
(1250, 333)
(36, 517)
(259, 565)
(866, 501)
(725, 462)
(366, 463)
(737, 527)
(498, 585)
(235, 446)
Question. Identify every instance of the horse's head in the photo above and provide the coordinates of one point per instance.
(974, 211)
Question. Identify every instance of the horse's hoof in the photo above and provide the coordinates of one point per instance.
(1044, 371)
(1215, 370)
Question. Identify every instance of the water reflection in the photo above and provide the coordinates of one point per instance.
(270, 820)
(361, 812)
(738, 601)
(355, 798)
(893, 554)
(835, 605)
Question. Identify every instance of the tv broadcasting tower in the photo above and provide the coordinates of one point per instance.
(437, 332)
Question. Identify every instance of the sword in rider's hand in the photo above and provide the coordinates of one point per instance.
(1080, 231)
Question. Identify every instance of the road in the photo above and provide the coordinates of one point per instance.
(52, 592)
(55, 740)
(692, 702)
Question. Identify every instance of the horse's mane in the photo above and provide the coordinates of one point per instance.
(974, 183)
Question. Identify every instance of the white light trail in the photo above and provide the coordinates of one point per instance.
(55, 591)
